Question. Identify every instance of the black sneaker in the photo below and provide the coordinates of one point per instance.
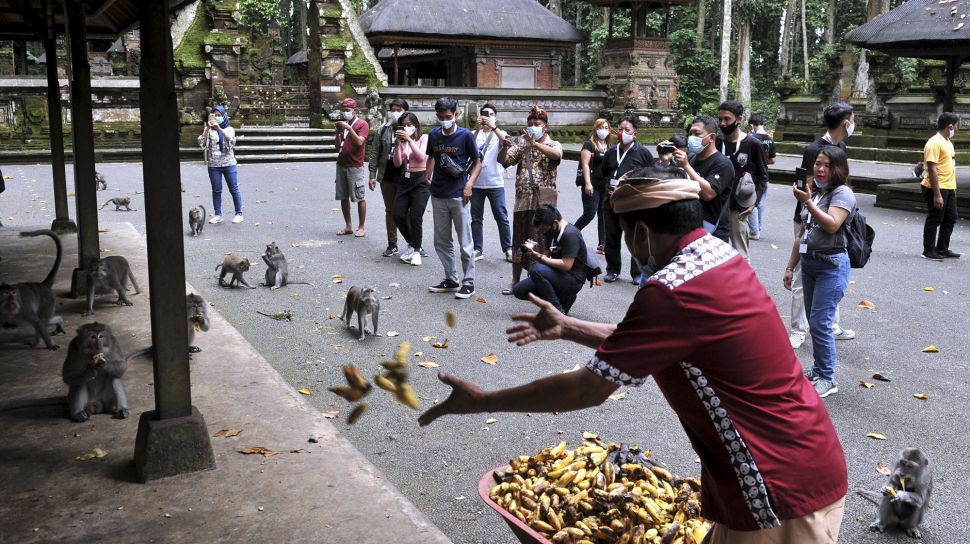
(932, 256)
(446, 286)
(390, 251)
(423, 253)
(610, 277)
(635, 280)
(947, 254)
(466, 291)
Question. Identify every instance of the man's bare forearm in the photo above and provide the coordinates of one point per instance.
(587, 333)
(557, 393)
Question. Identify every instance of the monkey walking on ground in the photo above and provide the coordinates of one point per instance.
(119, 201)
(906, 496)
(362, 300)
(109, 274)
(33, 303)
(197, 219)
(234, 265)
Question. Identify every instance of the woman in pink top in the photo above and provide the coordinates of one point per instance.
(412, 191)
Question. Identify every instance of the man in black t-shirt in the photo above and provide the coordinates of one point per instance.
(557, 277)
(708, 167)
(748, 157)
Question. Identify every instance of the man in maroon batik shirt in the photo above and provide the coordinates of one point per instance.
(706, 330)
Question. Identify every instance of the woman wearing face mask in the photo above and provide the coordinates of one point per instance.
(537, 157)
(410, 156)
(590, 178)
(821, 248)
(219, 140)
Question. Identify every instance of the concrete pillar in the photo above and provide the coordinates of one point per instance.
(62, 223)
(172, 439)
(82, 125)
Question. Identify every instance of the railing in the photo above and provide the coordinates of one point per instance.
(274, 104)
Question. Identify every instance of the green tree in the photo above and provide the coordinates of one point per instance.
(258, 14)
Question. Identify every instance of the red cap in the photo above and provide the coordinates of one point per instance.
(348, 103)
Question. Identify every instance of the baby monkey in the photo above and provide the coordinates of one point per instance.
(197, 219)
(362, 300)
(906, 495)
(92, 371)
(101, 181)
(109, 274)
(234, 265)
(119, 201)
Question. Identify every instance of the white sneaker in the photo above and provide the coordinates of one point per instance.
(415, 259)
(407, 254)
(479, 255)
(844, 334)
(508, 255)
(796, 339)
(215, 219)
(238, 219)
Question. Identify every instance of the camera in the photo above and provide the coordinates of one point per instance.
(664, 148)
(528, 246)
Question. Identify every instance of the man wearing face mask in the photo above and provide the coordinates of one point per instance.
(352, 134)
(380, 163)
(748, 158)
(939, 189)
(621, 158)
(710, 169)
(840, 121)
(710, 336)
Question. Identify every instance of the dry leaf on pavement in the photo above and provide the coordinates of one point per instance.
(427, 338)
(387, 297)
(866, 384)
(875, 436)
(259, 450)
(490, 420)
(883, 469)
(331, 315)
(227, 433)
(393, 333)
(929, 289)
(451, 318)
(931, 349)
(331, 415)
(96, 453)
(443, 344)
(428, 364)
(921, 396)
(618, 396)
(867, 305)
(490, 359)
(304, 390)
(481, 299)
(774, 246)
(394, 285)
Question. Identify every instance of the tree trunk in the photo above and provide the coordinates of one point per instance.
(864, 85)
(744, 63)
(726, 48)
(804, 44)
(300, 24)
(830, 31)
(286, 26)
(787, 27)
(578, 66)
(701, 21)
(313, 64)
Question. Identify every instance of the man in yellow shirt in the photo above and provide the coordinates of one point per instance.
(939, 189)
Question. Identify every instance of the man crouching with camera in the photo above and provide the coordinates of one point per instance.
(558, 276)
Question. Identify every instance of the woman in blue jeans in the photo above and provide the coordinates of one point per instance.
(219, 140)
(821, 248)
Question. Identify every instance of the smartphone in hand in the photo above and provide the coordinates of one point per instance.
(800, 176)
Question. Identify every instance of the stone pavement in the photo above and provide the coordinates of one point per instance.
(437, 467)
(324, 491)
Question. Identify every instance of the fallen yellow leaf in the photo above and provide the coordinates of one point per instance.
(428, 364)
(921, 396)
(393, 333)
(866, 384)
(481, 299)
(443, 344)
(868, 305)
(452, 319)
(931, 349)
(929, 289)
(338, 276)
(875, 436)
(227, 433)
(71, 194)
(259, 450)
(96, 453)
(490, 359)
(427, 338)
(883, 469)
(337, 280)
(618, 396)
(304, 390)
(331, 415)
(490, 420)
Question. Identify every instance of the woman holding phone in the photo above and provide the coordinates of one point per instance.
(219, 140)
(410, 155)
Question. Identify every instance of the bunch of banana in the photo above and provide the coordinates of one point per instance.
(581, 497)
(395, 379)
(357, 388)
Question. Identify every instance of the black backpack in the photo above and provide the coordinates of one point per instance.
(858, 237)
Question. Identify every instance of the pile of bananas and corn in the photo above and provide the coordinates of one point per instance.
(601, 493)
(394, 380)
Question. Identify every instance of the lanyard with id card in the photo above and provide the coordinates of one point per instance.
(614, 181)
(803, 245)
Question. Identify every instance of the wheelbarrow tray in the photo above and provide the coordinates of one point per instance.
(525, 534)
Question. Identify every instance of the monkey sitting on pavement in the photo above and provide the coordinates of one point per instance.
(906, 496)
(119, 201)
(362, 300)
(101, 181)
(109, 274)
(234, 265)
(197, 313)
(92, 371)
(33, 303)
(277, 271)
(197, 219)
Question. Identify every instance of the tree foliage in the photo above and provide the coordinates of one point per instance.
(258, 14)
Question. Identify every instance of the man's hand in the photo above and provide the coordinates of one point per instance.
(547, 324)
(372, 183)
(342, 125)
(466, 194)
(681, 158)
(465, 398)
(529, 140)
(938, 200)
(789, 275)
(588, 189)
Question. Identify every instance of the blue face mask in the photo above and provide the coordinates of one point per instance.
(535, 132)
(694, 144)
(219, 119)
(821, 186)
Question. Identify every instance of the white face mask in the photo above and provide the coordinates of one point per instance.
(447, 123)
(850, 129)
(409, 130)
(602, 133)
(347, 115)
(393, 116)
(626, 138)
(953, 132)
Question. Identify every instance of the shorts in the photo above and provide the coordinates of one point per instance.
(351, 181)
(821, 527)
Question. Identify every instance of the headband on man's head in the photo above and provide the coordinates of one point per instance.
(537, 112)
(647, 193)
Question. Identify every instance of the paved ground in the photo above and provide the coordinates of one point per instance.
(438, 467)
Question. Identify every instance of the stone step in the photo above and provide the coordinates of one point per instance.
(909, 196)
(270, 149)
(283, 130)
(261, 139)
(288, 157)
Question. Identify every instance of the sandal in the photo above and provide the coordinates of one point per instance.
(507, 291)
(344, 232)
(360, 233)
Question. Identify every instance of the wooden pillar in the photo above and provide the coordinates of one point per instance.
(62, 223)
(397, 51)
(609, 30)
(952, 66)
(172, 439)
(82, 137)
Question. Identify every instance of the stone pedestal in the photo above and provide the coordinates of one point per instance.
(172, 446)
(639, 73)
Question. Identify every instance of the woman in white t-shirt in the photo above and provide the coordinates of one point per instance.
(219, 140)
(490, 184)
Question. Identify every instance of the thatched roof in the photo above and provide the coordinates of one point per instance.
(104, 18)
(454, 21)
(919, 28)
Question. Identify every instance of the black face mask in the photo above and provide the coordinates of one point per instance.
(729, 129)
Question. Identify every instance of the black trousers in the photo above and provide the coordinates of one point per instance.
(409, 204)
(612, 242)
(939, 221)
